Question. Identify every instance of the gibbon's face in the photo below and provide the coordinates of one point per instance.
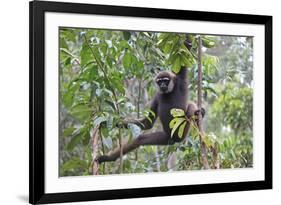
(165, 83)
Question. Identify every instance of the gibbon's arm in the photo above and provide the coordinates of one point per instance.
(182, 75)
(145, 123)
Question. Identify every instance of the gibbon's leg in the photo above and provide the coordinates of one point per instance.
(155, 138)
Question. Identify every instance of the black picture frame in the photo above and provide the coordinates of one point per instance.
(37, 11)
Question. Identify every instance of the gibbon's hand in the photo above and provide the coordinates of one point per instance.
(203, 111)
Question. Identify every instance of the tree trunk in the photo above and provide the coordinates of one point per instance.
(199, 104)
(95, 166)
(216, 157)
(121, 152)
(103, 151)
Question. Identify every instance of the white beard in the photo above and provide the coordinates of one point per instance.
(170, 86)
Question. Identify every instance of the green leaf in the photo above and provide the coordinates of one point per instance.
(148, 118)
(76, 139)
(86, 55)
(181, 129)
(146, 34)
(172, 123)
(86, 138)
(103, 48)
(98, 121)
(127, 35)
(127, 60)
(179, 121)
(67, 62)
(167, 48)
(91, 73)
(68, 131)
(70, 35)
(233, 154)
(121, 100)
(109, 92)
(175, 112)
(116, 82)
(151, 112)
(186, 61)
(176, 67)
(81, 111)
(67, 99)
(104, 131)
(111, 104)
(208, 42)
(109, 122)
(163, 38)
(63, 43)
(124, 44)
(194, 132)
(139, 65)
(109, 43)
(74, 163)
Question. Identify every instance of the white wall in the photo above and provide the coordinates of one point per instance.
(14, 100)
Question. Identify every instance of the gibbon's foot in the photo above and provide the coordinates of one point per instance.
(203, 111)
(101, 159)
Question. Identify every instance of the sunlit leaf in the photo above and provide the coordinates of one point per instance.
(151, 112)
(172, 123)
(176, 66)
(148, 118)
(179, 121)
(181, 129)
(175, 112)
(208, 42)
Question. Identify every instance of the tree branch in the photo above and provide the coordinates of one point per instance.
(199, 104)
(103, 150)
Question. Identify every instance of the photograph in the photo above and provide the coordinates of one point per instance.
(138, 102)
(130, 102)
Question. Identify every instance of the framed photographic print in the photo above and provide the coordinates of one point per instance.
(139, 102)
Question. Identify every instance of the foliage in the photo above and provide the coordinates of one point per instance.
(106, 76)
